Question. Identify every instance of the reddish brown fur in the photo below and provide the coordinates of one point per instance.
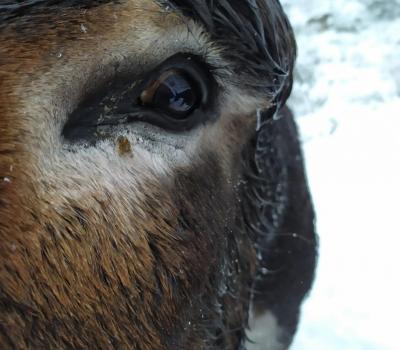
(153, 262)
(84, 274)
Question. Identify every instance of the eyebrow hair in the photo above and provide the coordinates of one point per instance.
(257, 37)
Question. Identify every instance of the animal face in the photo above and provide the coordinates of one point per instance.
(128, 135)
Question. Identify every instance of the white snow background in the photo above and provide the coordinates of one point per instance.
(347, 102)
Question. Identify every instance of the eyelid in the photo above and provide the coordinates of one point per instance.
(117, 102)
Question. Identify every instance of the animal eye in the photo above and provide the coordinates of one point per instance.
(177, 95)
(174, 93)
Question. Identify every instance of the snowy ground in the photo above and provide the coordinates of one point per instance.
(347, 99)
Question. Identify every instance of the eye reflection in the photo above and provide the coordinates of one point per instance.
(174, 93)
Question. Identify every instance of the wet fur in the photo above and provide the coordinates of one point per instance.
(157, 262)
(257, 39)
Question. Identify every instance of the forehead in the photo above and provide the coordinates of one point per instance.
(255, 34)
(51, 13)
(38, 17)
(60, 38)
(15, 8)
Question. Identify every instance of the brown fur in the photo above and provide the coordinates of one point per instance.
(102, 270)
(106, 250)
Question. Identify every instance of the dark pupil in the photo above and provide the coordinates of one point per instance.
(176, 95)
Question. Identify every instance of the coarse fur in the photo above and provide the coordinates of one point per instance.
(149, 239)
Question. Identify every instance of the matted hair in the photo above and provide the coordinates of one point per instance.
(258, 39)
(255, 35)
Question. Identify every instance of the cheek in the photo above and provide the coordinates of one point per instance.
(205, 204)
(113, 168)
(225, 141)
(119, 194)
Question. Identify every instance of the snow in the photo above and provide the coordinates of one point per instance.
(347, 100)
